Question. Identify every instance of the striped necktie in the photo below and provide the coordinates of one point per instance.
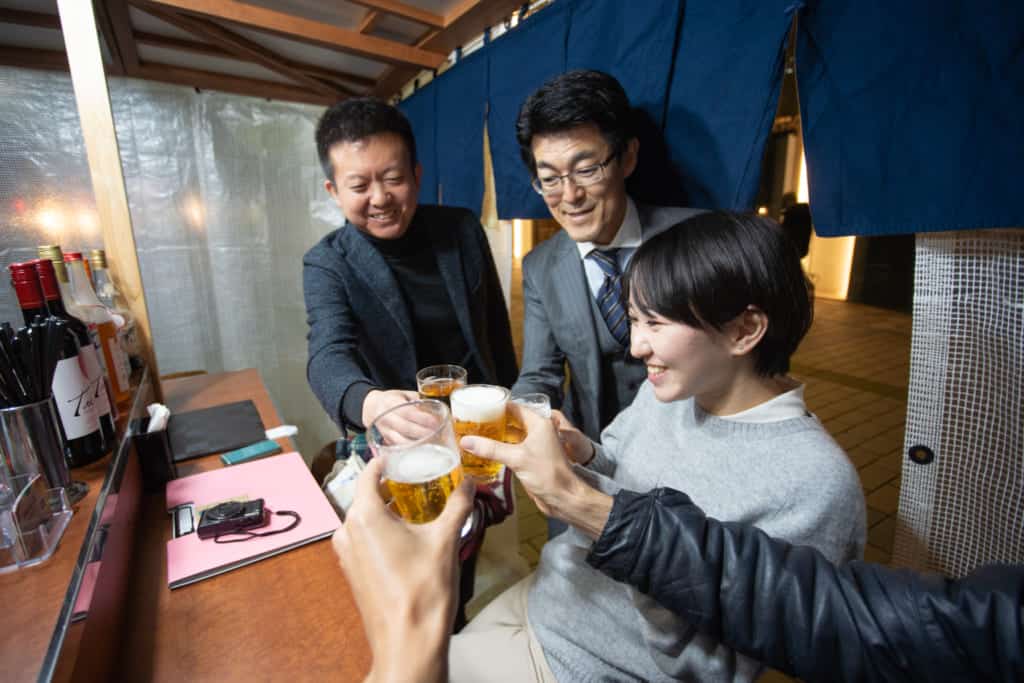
(609, 296)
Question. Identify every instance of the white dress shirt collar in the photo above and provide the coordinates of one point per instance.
(629, 235)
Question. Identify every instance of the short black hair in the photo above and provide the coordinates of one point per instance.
(358, 118)
(575, 98)
(706, 270)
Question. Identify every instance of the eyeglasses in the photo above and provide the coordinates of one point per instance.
(551, 185)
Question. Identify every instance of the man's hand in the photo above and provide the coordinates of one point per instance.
(404, 578)
(577, 446)
(541, 466)
(399, 426)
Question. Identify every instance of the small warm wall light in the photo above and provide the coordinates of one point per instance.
(194, 211)
(88, 221)
(51, 219)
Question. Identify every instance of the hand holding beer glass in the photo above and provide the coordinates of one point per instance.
(479, 410)
(421, 467)
(439, 381)
(539, 403)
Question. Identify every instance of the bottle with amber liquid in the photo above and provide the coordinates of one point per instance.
(108, 295)
(96, 314)
(90, 356)
(79, 422)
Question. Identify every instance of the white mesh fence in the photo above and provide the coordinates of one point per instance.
(966, 404)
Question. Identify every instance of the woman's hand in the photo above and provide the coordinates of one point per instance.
(578, 447)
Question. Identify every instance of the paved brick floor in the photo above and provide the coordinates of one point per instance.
(855, 363)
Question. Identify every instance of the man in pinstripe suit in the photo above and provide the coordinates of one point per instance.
(576, 137)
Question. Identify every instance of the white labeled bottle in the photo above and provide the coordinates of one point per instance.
(102, 323)
(110, 297)
(91, 353)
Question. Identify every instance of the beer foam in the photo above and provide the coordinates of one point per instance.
(478, 404)
(420, 464)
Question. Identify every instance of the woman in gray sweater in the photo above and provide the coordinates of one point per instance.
(717, 305)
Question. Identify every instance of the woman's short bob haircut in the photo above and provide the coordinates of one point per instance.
(706, 270)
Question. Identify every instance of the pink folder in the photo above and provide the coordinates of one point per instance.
(283, 481)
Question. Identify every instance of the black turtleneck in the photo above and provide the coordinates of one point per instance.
(437, 336)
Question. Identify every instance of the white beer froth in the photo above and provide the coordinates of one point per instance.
(478, 404)
(420, 464)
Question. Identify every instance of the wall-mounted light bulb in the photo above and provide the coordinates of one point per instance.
(194, 211)
(51, 219)
(88, 221)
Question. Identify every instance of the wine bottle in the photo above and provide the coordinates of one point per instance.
(53, 254)
(93, 312)
(91, 358)
(80, 425)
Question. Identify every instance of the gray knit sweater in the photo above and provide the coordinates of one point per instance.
(788, 477)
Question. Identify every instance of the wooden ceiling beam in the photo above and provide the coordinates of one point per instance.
(29, 58)
(427, 36)
(404, 11)
(211, 50)
(25, 18)
(344, 76)
(309, 31)
(335, 80)
(462, 24)
(56, 60)
(240, 46)
(369, 22)
(237, 85)
(462, 9)
(106, 30)
(120, 21)
(182, 45)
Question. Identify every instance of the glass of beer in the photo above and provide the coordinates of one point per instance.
(421, 458)
(479, 410)
(538, 403)
(439, 381)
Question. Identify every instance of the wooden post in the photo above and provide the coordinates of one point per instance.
(81, 40)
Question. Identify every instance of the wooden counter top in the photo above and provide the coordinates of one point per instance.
(32, 597)
(288, 617)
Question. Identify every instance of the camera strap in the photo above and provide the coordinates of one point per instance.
(249, 535)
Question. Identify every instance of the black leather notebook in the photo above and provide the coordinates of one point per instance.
(215, 430)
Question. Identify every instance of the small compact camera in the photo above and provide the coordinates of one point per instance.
(232, 517)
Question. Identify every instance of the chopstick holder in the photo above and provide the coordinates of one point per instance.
(156, 460)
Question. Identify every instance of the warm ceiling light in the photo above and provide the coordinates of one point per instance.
(762, 211)
(51, 220)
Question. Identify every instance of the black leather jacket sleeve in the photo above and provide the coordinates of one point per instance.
(792, 609)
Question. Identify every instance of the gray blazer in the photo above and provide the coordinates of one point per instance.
(359, 326)
(559, 324)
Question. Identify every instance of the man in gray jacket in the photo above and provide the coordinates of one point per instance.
(577, 139)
